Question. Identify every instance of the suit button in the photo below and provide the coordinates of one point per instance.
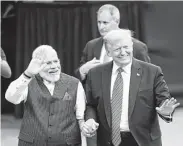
(49, 137)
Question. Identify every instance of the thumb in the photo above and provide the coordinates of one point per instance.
(94, 59)
(158, 109)
(96, 124)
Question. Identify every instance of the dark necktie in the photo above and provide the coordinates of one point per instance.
(116, 107)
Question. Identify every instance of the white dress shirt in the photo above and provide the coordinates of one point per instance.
(126, 74)
(18, 91)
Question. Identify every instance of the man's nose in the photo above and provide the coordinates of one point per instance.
(123, 51)
(53, 65)
(101, 25)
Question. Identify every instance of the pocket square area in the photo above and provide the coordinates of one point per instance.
(67, 96)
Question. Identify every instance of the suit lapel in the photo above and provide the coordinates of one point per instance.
(136, 75)
(106, 85)
(97, 48)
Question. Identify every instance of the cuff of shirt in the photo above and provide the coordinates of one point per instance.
(81, 122)
(167, 118)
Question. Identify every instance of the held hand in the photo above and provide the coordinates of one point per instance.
(168, 107)
(90, 64)
(89, 128)
(35, 66)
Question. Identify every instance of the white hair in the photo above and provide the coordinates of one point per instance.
(117, 35)
(42, 51)
(113, 10)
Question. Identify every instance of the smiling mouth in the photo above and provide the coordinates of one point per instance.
(104, 31)
(122, 57)
(53, 72)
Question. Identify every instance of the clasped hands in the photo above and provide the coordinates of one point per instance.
(89, 128)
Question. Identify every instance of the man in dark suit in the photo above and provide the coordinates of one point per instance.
(108, 18)
(125, 97)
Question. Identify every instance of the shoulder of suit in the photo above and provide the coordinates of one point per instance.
(146, 64)
(138, 42)
(93, 41)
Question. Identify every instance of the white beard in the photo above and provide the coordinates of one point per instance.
(50, 78)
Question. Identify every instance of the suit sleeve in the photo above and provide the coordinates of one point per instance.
(161, 92)
(91, 103)
(142, 54)
(83, 60)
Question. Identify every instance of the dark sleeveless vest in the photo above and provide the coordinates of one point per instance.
(51, 119)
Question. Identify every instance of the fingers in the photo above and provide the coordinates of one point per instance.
(40, 55)
(165, 103)
(43, 66)
(94, 60)
(158, 109)
(173, 102)
(176, 105)
(88, 131)
(91, 123)
(89, 128)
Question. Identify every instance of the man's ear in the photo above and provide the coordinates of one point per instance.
(108, 53)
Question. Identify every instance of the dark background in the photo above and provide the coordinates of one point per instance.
(67, 26)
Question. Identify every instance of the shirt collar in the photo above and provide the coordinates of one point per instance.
(127, 69)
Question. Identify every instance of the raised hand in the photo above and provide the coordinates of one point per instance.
(35, 66)
(168, 107)
(90, 64)
(89, 128)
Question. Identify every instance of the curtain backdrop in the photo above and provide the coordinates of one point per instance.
(66, 27)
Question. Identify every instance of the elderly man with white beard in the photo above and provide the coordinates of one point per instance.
(54, 102)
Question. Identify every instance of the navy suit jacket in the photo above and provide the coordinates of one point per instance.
(148, 90)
